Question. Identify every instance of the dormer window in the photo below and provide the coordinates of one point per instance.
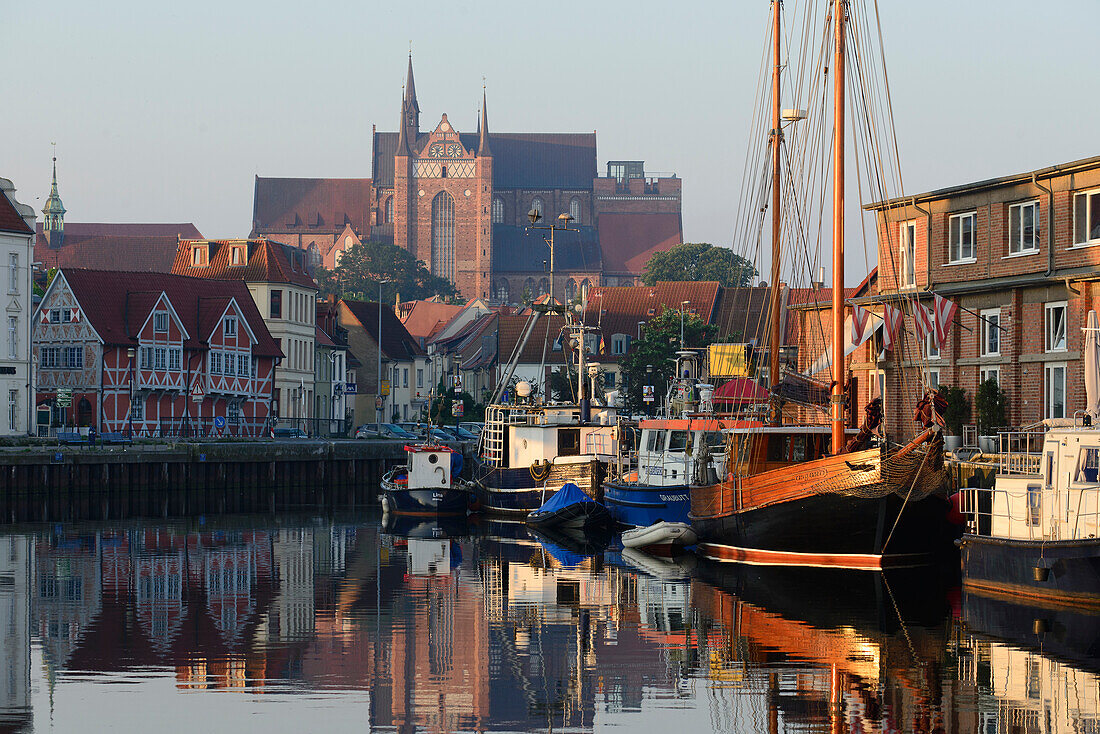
(238, 255)
(230, 326)
(160, 322)
(200, 256)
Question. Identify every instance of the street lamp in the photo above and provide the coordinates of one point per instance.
(683, 307)
(380, 402)
(130, 380)
(535, 216)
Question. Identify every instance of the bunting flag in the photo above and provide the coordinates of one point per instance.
(945, 314)
(892, 317)
(924, 320)
(861, 318)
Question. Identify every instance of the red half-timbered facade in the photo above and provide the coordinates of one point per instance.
(155, 354)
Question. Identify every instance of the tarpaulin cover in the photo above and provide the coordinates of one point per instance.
(564, 556)
(569, 494)
(456, 463)
(740, 390)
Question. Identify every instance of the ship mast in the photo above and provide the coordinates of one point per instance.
(776, 415)
(837, 397)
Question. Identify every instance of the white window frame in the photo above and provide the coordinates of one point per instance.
(137, 407)
(229, 328)
(1087, 226)
(931, 349)
(955, 254)
(1049, 341)
(419, 378)
(160, 322)
(987, 317)
(74, 358)
(1049, 371)
(932, 377)
(160, 358)
(175, 359)
(55, 315)
(986, 372)
(13, 272)
(13, 409)
(215, 363)
(907, 254)
(229, 365)
(13, 337)
(1016, 247)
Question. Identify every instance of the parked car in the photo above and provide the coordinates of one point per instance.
(289, 433)
(472, 426)
(393, 430)
(369, 430)
(438, 434)
(461, 433)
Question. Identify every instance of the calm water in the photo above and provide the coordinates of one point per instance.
(299, 624)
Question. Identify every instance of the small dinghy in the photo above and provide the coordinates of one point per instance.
(570, 507)
(660, 534)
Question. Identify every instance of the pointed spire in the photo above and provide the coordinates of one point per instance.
(402, 136)
(483, 128)
(410, 88)
(53, 213)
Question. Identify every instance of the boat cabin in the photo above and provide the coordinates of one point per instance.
(668, 449)
(429, 467)
(762, 448)
(519, 436)
(1047, 488)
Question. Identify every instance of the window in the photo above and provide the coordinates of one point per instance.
(620, 343)
(575, 209)
(419, 378)
(932, 378)
(1086, 217)
(907, 238)
(990, 323)
(1056, 327)
(396, 382)
(1055, 390)
(230, 326)
(161, 358)
(175, 358)
(989, 373)
(73, 358)
(498, 210)
(962, 237)
(609, 379)
(242, 365)
(233, 412)
(200, 256)
(55, 315)
(275, 310)
(137, 408)
(146, 358)
(13, 337)
(931, 349)
(501, 290)
(13, 409)
(405, 377)
(160, 322)
(1023, 228)
(443, 236)
(13, 272)
(229, 364)
(1034, 506)
(215, 363)
(387, 214)
(237, 255)
(1088, 465)
(877, 382)
(536, 205)
(544, 286)
(51, 357)
(678, 441)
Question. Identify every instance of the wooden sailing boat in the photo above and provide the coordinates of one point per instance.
(785, 498)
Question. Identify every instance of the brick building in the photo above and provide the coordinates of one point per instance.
(1019, 256)
(459, 202)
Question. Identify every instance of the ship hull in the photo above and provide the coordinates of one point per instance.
(514, 492)
(1069, 575)
(426, 502)
(641, 505)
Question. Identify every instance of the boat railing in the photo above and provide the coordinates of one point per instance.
(1024, 510)
(1020, 452)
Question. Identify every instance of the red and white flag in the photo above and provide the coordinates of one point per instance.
(945, 314)
(924, 320)
(892, 317)
(861, 319)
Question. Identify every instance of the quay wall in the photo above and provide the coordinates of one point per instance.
(51, 484)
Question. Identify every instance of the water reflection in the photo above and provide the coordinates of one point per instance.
(486, 626)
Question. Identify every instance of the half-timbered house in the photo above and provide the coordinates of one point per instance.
(154, 354)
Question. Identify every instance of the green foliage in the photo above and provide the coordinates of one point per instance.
(957, 411)
(990, 402)
(697, 262)
(363, 266)
(442, 408)
(658, 348)
(563, 387)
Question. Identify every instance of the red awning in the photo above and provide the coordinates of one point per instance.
(740, 390)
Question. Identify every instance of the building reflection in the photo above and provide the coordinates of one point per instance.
(16, 580)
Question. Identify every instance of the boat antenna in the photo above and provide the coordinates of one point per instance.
(837, 392)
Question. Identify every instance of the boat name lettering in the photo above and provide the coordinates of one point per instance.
(655, 471)
(673, 497)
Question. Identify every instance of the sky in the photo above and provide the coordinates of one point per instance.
(165, 112)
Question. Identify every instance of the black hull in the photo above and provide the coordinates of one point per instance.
(408, 526)
(1007, 567)
(835, 524)
(513, 492)
(580, 515)
(426, 502)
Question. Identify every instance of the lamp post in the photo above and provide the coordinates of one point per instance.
(683, 308)
(130, 380)
(535, 216)
(381, 402)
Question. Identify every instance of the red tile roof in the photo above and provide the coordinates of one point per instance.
(105, 246)
(322, 339)
(424, 319)
(117, 303)
(311, 205)
(397, 343)
(10, 219)
(628, 240)
(618, 309)
(510, 330)
(266, 262)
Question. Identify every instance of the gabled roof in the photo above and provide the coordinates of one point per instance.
(628, 240)
(510, 330)
(266, 261)
(397, 343)
(424, 319)
(321, 205)
(521, 250)
(114, 246)
(322, 339)
(520, 160)
(117, 303)
(10, 218)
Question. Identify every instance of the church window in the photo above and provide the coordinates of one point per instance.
(544, 286)
(501, 290)
(443, 172)
(575, 209)
(536, 205)
(584, 289)
(388, 215)
(443, 236)
(498, 210)
(530, 290)
(570, 289)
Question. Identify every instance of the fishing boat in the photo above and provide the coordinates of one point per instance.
(810, 494)
(427, 485)
(570, 507)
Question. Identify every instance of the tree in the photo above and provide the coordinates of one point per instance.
(657, 349)
(990, 402)
(697, 262)
(957, 411)
(362, 266)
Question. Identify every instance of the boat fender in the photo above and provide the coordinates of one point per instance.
(540, 471)
(955, 514)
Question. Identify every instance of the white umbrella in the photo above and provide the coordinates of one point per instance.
(1092, 367)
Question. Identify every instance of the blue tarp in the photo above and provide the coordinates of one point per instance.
(456, 464)
(564, 556)
(569, 494)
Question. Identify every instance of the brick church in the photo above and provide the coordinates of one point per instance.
(460, 200)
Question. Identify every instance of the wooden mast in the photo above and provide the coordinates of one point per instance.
(774, 295)
(837, 396)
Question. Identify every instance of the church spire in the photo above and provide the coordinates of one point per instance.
(410, 107)
(410, 88)
(53, 226)
(483, 129)
(402, 136)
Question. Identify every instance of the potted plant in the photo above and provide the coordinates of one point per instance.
(990, 402)
(955, 414)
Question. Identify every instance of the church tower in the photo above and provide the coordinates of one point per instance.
(483, 254)
(53, 225)
(411, 108)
